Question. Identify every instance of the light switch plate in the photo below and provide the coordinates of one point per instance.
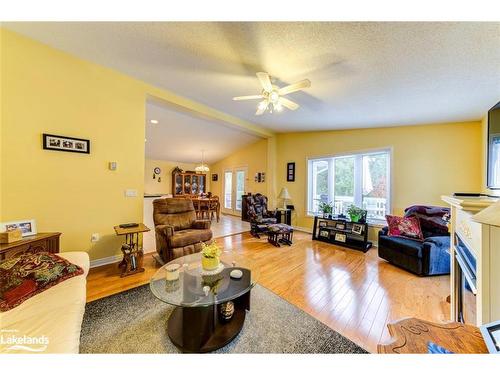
(131, 193)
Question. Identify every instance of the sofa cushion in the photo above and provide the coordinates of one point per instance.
(408, 227)
(402, 245)
(26, 275)
(186, 237)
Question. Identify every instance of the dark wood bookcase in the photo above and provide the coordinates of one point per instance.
(340, 232)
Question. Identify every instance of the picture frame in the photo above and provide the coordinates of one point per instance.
(340, 226)
(323, 224)
(290, 172)
(28, 226)
(340, 237)
(324, 233)
(54, 142)
(491, 336)
(357, 228)
(215, 177)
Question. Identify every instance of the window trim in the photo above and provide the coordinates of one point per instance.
(388, 149)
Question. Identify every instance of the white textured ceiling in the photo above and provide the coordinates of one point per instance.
(181, 136)
(362, 74)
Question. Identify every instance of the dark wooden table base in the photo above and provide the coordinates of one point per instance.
(199, 329)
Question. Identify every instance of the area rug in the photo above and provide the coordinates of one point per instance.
(135, 322)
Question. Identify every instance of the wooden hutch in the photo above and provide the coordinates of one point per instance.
(188, 183)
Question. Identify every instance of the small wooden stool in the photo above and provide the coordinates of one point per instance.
(132, 252)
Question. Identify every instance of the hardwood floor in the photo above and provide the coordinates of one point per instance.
(352, 292)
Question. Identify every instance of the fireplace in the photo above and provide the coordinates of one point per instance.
(467, 288)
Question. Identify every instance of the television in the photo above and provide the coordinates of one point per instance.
(493, 161)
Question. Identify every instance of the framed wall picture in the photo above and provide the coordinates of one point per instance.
(28, 227)
(215, 177)
(290, 172)
(341, 237)
(324, 233)
(357, 228)
(62, 143)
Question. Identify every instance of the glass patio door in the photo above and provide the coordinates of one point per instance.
(234, 188)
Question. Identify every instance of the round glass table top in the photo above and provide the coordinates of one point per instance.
(182, 282)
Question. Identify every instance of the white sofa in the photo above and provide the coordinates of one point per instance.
(56, 314)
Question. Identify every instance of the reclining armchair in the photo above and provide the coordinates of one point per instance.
(260, 217)
(423, 258)
(178, 233)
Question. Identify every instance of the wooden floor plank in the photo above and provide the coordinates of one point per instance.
(352, 292)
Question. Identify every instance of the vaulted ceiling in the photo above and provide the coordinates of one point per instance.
(362, 74)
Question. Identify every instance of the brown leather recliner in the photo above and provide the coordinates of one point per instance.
(178, 233)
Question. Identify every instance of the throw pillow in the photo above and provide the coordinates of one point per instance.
(407, 227)
(28, 274)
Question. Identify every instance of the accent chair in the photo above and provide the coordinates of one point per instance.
(177, 230)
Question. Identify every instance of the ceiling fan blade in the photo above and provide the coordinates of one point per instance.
(295, 87)
(261, 108)
(265, 81)
(289, 104)
(248, 97)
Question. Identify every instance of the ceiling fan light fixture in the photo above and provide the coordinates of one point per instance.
(274, 100)
(263, 105)
(274, 96)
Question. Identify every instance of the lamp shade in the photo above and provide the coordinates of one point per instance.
(284, 194)
(490, 215)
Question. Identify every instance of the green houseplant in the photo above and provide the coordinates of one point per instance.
(355, 213)
(326, 208)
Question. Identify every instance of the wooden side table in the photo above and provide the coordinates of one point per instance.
(132, 252)
(412, 336)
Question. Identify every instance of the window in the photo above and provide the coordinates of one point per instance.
(361, 179)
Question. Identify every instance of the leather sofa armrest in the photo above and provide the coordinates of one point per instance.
(436, 255)
(166, 230)
(383, 231)
(201, 224)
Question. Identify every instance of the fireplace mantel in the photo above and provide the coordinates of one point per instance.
(469, 204)
(483, 241)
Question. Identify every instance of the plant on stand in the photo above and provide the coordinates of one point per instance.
(326, 208)
(355, 213)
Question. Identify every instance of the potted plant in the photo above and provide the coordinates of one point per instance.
(210, 256)
(355, 213)
(326, 208)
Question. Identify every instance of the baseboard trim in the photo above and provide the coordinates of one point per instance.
(103, 261)
(302, 229)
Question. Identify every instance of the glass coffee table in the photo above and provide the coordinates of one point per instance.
(210, 309)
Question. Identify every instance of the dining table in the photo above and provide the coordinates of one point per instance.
(206, 206)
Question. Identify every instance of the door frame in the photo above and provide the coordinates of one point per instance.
(233, 211)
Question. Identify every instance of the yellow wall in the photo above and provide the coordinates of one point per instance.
(44, 90)
(152, 186)
(428, 160)
(254, 157)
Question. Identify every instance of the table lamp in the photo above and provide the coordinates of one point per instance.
(284, 195)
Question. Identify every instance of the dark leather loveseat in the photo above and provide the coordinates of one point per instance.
(430, 257)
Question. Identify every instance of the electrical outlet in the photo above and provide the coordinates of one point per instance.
(94, 237)
(131, 193)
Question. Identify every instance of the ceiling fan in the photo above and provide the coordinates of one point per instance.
(272, 95)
